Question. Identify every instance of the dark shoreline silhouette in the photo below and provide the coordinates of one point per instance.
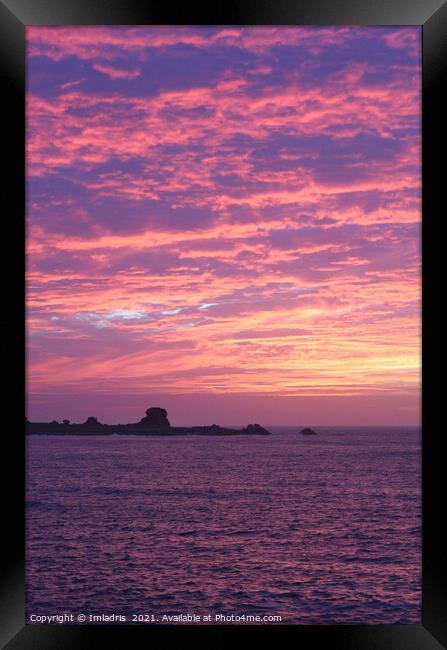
(155, 423)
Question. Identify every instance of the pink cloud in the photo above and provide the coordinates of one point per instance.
(116, 73)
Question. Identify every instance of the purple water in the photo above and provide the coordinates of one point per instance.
(323, 529)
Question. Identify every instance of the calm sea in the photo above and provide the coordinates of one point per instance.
(322, 529)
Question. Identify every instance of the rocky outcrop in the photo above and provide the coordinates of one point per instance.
(257, 429)
(308, 432)
(154, 423)
(156, 418)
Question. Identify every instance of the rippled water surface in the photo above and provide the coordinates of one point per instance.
(320, 529)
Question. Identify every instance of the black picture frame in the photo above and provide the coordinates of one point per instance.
(15, 15)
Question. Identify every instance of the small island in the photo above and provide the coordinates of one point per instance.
(308, 432)
(154, 423)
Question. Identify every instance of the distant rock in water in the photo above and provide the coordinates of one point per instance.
(308, 432)
(154, 423)
(156, 417)
(90, 425)
(256, 428)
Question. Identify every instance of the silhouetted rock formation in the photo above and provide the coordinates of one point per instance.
(308, 432)
(91, 424)
(156, 418)
(155, 423)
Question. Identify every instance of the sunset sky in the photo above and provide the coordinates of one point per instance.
(224, 222)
